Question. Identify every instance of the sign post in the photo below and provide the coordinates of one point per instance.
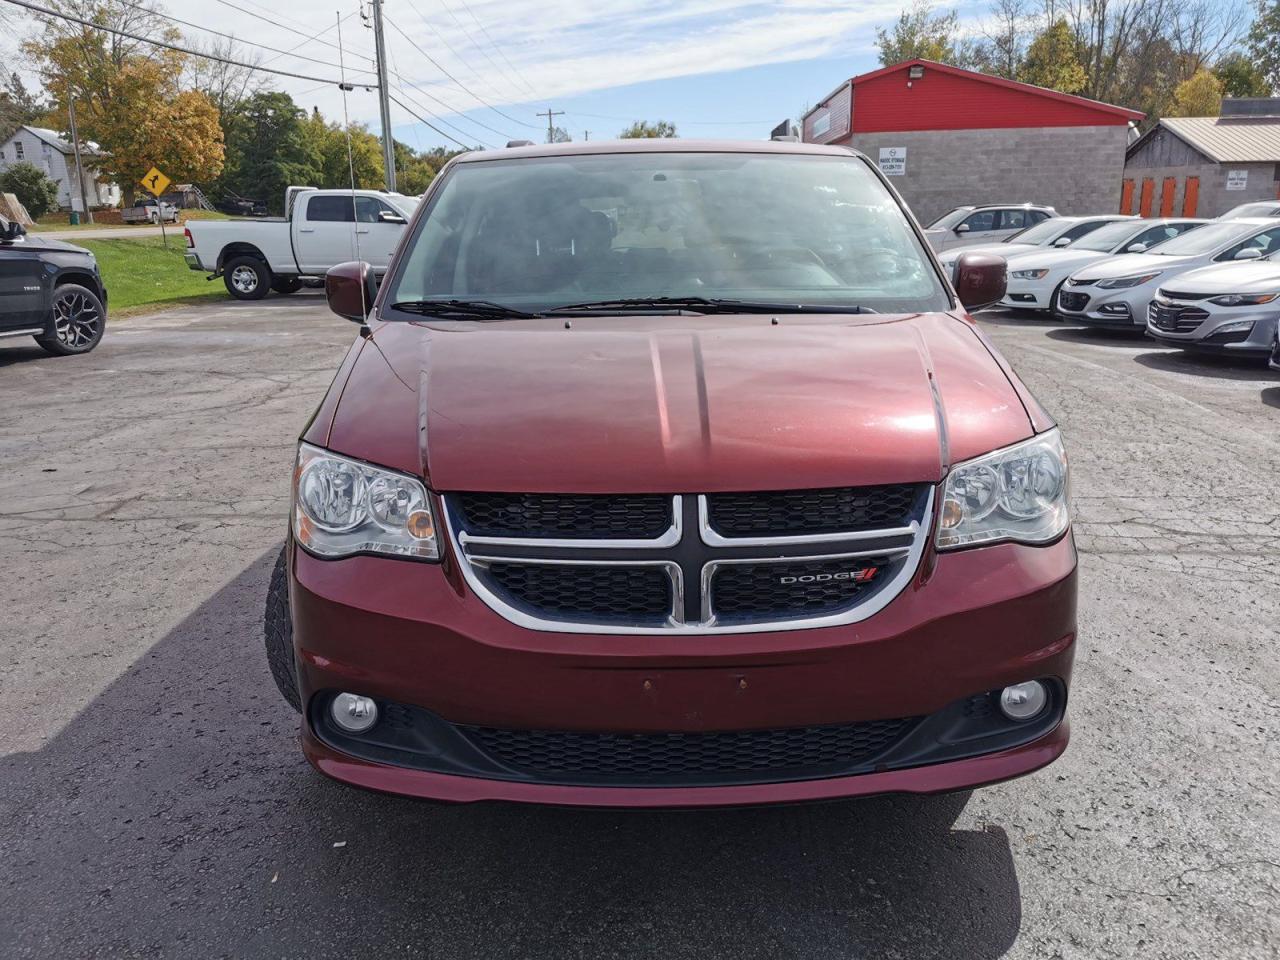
(156, 182)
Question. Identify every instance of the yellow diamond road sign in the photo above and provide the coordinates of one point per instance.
(155, 181)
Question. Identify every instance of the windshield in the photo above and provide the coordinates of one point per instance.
(950, 219)
(1202, 240)
(535, 234)
(1265, 209)
(1043, 232)
(1105, 239)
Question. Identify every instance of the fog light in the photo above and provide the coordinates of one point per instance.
(354, 713)
(1022, 701)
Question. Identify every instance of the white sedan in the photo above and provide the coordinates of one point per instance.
(1055, 232)
(1035, 277)
(1227, 308)
(1116, 292)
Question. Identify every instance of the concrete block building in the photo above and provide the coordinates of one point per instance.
(55, 156)
(1204, 166)
(947, 136)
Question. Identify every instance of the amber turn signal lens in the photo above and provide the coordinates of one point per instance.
(420, 525)
(952, 514)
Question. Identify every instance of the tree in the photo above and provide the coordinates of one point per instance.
(17, 106)
(920, 32)
(127, 94)
(559, 135)
(1264, 41)
(643, 129)
(32, 187)
(1200, 96)
(1240, 77)
(271, 146)
(1052, 60)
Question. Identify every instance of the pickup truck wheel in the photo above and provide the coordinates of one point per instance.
(286, 284)
(78, 321)
(247, 278)
(278, 632)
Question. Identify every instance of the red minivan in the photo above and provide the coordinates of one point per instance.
(667, 473)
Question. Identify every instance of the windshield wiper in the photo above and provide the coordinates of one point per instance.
(705, 305)
(463, 309)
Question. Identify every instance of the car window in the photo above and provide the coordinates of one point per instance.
(1199, 239)
(1107, 238)
(333, 208)
(1080, 229)
(544, 232)
(1264, 209)
(1267, 242)
(1035, 216)
(950, 218)
(368, 208)
(1045, 232)
(1013, 219)
(982, 220)
(1160, 234)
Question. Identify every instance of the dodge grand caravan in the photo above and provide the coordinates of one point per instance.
(670, 473)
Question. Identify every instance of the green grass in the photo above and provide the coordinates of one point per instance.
(141, 275)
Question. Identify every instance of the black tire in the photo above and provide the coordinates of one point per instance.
(286, 285)
(78, 321)
(277, 628)
(247, 278)
(1053, 300)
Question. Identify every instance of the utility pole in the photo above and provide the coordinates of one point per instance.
(384, 104)
(75, 145)
(586, 135)
(551, 130)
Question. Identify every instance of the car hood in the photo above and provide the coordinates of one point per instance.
(1253, 277)
(996, 249)
(676, 404)
(1128, 264)
(33, 241)
(1054, 259)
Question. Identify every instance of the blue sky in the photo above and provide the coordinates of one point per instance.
(481, 70)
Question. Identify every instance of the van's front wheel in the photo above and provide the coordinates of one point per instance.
(247, 278)
(277, 628)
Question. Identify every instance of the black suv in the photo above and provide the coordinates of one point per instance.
(50, 290)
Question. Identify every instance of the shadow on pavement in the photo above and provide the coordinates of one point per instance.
(1007, 317)
(1271, 397)
(1207, 365)
(19, 350)
(175, 816)
(1098, 335)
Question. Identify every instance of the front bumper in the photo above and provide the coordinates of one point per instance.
(1124, 308)
(1030, 294)
(1257, 340)
(411, 634)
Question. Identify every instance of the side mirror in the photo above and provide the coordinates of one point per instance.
(1136, 248)
(1062, 242)
(350, 289)
(12, 232)
(386, 216)
(1248, 253)
(980, 279)
(963, 228)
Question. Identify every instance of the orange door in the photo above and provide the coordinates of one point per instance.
(1167, 190)
(1190, 196)
(1126, 197)
(1144, 204)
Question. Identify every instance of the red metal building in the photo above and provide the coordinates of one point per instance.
(953, 136)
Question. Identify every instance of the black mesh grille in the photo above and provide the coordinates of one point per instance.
(794, 512)
(683, 757)
(553, 516)
(1073, 301)
(762, 590)
(575, 592)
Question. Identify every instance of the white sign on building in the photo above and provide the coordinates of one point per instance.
(893, 161)
(1237, 179)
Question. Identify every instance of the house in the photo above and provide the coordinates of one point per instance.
(947, 136)
(1204, 166)
(51, 153)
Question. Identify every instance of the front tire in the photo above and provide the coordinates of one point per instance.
(247, 278)
(78, 320)
(277, 625)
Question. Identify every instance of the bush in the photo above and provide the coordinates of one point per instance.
(32, 187)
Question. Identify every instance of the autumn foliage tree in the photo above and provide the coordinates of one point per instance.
(128, 95)
(1198, 96)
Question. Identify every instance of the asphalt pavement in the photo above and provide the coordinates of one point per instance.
(154, 802)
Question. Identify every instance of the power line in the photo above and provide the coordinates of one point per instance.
(433, 62)
(501, 53)
(314, 36)
(173, 46)
(475, 74)
(229, 36)
(449, 107)
(398, 103)
(294, 27)
(438, 119)
(470, 37)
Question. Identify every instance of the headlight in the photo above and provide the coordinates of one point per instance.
(343, 507)
(1115, 283)
(1243, 299)
(1029, 274)
(1018, 493)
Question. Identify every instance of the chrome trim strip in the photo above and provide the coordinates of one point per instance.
(668, 539)
(709, 569)
(22, 333)
(857, 614)
(533, 622)
(713, 539)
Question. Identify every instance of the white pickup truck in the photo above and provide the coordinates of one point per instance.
(320, 229)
